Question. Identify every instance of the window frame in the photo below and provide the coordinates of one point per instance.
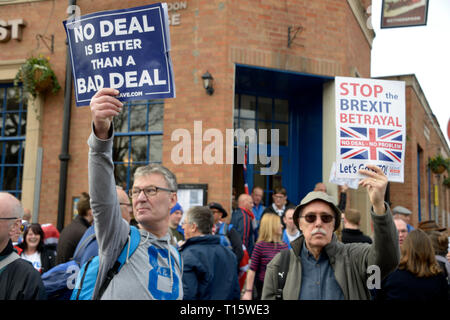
(129, 164)
(20, 138)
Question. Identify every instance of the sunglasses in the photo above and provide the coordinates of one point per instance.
(311, 218)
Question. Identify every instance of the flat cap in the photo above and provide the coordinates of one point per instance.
(401, 210)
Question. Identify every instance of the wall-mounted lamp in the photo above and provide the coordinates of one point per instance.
(208, 83)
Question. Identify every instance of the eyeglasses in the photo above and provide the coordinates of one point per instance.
(149, 192)
(9, 218)
(311, 218)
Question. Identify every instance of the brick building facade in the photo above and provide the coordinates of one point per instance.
(282, 54)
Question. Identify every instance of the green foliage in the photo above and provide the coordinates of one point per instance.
(36, 76)
(437, 162)
(447, 182)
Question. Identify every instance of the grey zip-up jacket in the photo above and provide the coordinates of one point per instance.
(154, 270)
(350, 262)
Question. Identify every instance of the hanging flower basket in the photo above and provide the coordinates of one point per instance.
(37, 76)
(438, 164)
(446, 182)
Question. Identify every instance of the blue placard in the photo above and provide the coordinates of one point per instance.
(125, 49)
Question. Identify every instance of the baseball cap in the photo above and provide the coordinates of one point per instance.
(318, 195)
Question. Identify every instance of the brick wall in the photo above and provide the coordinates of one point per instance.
(213, 36)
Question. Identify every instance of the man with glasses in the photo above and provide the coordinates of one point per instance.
(18, 278)
(322, 268)
(280, 204)
(154, 270)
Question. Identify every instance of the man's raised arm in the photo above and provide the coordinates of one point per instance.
(110, 228)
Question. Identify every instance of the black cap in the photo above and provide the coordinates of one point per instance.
(218, 206)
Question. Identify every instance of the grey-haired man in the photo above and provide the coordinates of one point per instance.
(404, 214)
(18, 278)
(321, 267)
(154, 270)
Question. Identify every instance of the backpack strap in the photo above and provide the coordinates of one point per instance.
(130, 246)
(282, 273)
(9, 259)
(82, 246)
(223, 230)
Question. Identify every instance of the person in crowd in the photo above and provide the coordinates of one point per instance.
(72, 233)
(351, 232)
(280, 204)
(402, 230)
(174, 222)
(430, 225)
(26, 220)
(222, 228)
(317, 254)
(258, 207)
(51, 236)
(404, 214)
(320, 186)
(418, 276)
(234, 202)
(291, 232)
(209, 268)
(18, 279)
(242, 218)
(268, 245)
(91, 247)
(439, 241)
(35, 251)
(154, 270)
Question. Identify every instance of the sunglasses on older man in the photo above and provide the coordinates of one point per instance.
(311, 218)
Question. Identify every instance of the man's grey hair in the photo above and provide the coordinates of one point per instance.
(153, 168)
(202, 217)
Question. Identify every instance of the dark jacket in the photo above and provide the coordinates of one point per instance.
(241, 220)
(403, 285)
(354, 236)
(209, 270)
(234, 237)
(270, 209)
(20, 280)
(48, 258)
(69, 238)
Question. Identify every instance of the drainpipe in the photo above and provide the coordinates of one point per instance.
(64, 157)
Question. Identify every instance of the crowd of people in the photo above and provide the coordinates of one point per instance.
(311, 251)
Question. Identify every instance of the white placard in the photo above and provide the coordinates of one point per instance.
(370, 126)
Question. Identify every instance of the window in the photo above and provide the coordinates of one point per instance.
(259, 112)
(138, 138)
(12, 138)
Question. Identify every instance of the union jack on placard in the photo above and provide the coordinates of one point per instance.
(371, 143)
